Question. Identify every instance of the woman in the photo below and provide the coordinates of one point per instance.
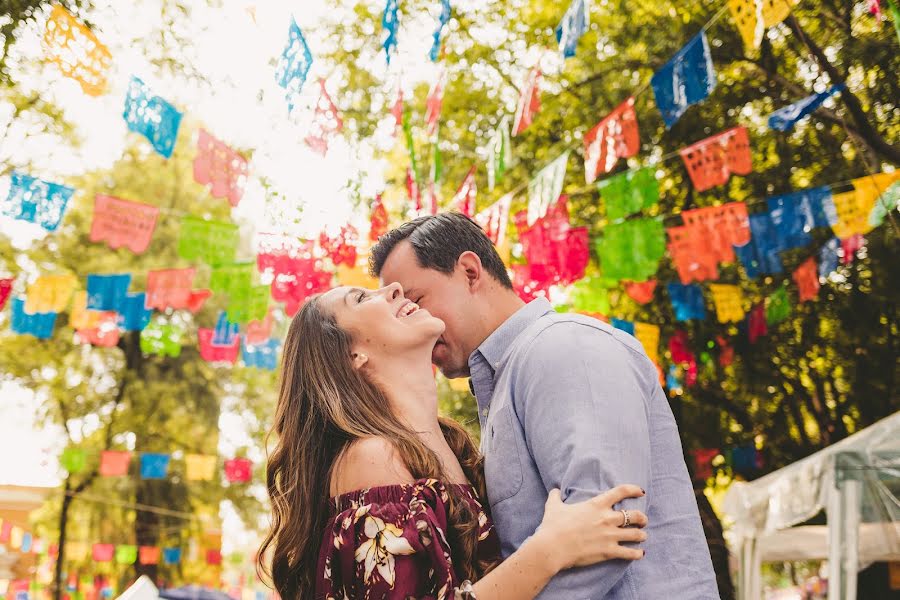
(375, 496)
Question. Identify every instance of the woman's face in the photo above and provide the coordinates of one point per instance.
(383, 323)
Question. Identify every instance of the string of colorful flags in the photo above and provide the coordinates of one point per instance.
(156, 465)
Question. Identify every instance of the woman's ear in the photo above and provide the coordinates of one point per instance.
(359, 360)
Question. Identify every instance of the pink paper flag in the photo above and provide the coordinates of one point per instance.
(114, 463)
(171, 288)
(237, 470)
(259, 332)
(464, 200)
(220, 167)
(5, 290)
(214, 353)
(327, 122)
(102, 552)
(529, 102)
(121, 223)
(434, 104)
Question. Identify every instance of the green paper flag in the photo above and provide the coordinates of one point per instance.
(629, 192)
(437, 160)
(213, 242)
(126, 554)
(778, 306)
(232, 279)
(591, 294)
(895, 16)
(248, 304)
(73, 460)
(631, 249)
(546, 187)
(887, 202)
(499, 153)
(162, 339)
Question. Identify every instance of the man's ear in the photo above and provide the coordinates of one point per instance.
(359, 360)
(471, 267)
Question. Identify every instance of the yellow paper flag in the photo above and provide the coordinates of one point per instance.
(356, 277)
(15, 537)
(77, 551)
(853, 207)
(199, 467)
(49, 293)
(81, 318)
(648, 335)
(729, 302)
(753, 17)
(76, 51)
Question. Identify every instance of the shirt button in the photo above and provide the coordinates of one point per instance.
(496, 366)
(484, 412)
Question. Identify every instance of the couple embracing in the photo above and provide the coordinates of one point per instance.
(579, 490)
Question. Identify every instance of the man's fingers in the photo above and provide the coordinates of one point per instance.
(619, 493)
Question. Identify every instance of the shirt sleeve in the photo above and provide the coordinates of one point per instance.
(582, 401)
(390, 550)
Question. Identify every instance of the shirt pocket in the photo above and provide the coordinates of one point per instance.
(502, 465)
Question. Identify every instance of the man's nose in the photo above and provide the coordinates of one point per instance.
(393, 291)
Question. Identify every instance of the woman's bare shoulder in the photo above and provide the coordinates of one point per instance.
(367, 463)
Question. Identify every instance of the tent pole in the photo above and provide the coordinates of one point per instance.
(835, 543)
(850, 490)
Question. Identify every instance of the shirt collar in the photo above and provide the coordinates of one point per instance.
(495, 346)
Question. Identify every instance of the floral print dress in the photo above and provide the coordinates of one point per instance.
(389, 542)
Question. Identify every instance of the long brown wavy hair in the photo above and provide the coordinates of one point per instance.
(324, 404)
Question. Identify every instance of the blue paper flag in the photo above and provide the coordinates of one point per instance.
(744, 459)
(107, 292)
(786, 117)
(261, 356)
(443, 19)
(225, 332)
(294, 64)
(829, 256)
(672, 382)
(687, 301)
(36, 201)
(171, 556)
(26, 543)
(154, 466)
(391, 22)
(686, 79)
(626, 326)
(40, 325)
(132, 314)
(573, 25)
(152, 117)
(795, 215)
(760, 254)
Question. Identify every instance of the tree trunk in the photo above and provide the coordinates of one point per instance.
(61, 543)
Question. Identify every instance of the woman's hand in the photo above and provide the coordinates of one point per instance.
(585, 533)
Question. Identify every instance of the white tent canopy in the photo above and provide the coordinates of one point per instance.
(142, 589)
(856, 482)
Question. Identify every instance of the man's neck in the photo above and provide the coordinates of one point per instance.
(501, 305)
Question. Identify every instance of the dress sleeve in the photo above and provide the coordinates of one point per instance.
(389, 549)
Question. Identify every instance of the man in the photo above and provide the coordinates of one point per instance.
(565, 401)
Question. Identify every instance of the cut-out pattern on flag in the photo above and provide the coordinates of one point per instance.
(721, 227)
(499, 153)
(806, 277)
(149, 555)
(641, 292)
(171, 556)
(784, 119)
(829, 257)
(710, 162)
(629, 192)
(529, 102)
(648, 335)
(225, 331)
(756, 323)
(6, 284)
(378, 220)
(229, 279)
(121, 223)
(220, 167)
(327, 122)
(199, 467)
(114, 463)
(795, 215)
(296, 273)
(151, 116)
(545, 188)
(259, 331)
(443, 19)
(753, 17)
(261, 356)
(107, 292)
(494, 220)
(341, 248)
(761, 254)
(687, 301)
(778, 306)
(390, 21)
(217, 353)
(154, 465)
(631, 250)
(73, 460)
(464, 200)
(102, 552)
(690, 255)
(238, 470)
(686, 79)
(171, 288)
(36, 201)
(248, 304)
(133, 316)
(39, 325)
(615, 137)
(728, 300)
(573, 25)
(850, 246)
(434, 104)
(855, 207)
(212, 242)
(50, 293)
(76, 51)
(294, 64)
(163, 339)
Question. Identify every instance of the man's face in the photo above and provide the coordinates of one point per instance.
(446, 296)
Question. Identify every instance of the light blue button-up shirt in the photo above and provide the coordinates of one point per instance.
(568, 402)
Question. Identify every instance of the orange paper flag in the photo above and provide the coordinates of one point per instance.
(711, 162)
(807, 279)
(76, 51)
(114, 463)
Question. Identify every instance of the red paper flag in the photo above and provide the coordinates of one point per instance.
(711, 162)
(412, 190)
(495, 218)
(114, 463)
(726, 352)
(807, 279)
(642, 293)
(434, 104)
(220, 167)
(297, 274)
(237, 470)
(169, 288)
(692, 257)
(850, 246)
(5, 290)
(464, 200)
(556, 252)
(217, 352)
(148, 555)
(259, 332)
(102, 552)
(197, 299)
(529, 102)
(213, 557)
(397, 111)
(342, 247)
(703, 462)
(756, 323)
(105, 335)
(326, 122)
(615, 137)
(123, 223)
(378, 221)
